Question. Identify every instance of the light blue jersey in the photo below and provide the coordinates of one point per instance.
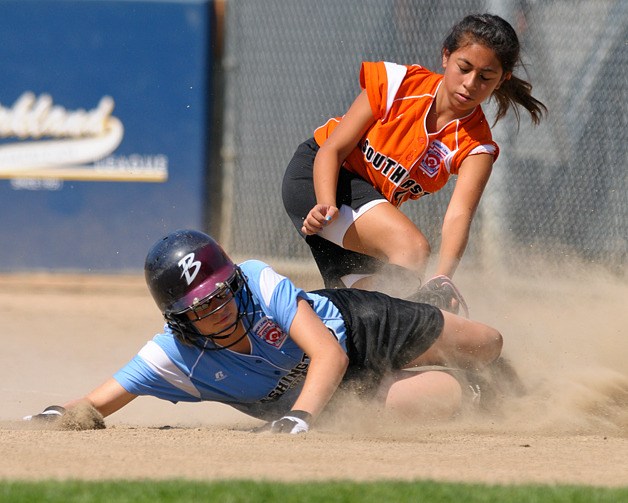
(263, 384)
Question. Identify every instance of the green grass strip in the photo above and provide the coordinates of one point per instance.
(328, 492)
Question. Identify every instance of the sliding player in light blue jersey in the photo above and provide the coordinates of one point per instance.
(246, 336)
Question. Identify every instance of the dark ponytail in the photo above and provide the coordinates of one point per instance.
(498, 35)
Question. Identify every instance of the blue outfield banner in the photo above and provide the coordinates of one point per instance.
(103, 130)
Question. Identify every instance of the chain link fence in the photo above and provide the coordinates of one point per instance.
(559, 188)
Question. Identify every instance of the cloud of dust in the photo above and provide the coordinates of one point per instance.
(565, 327)
(565, 332)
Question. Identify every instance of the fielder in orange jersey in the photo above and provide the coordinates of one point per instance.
(408, 131)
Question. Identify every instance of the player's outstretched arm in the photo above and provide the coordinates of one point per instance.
(87, 412)
(107, 398)
(472, 179)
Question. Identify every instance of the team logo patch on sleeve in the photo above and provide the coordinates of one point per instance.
(436, 153)
(269, 332)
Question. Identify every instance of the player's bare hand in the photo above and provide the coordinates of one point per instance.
(318, 217)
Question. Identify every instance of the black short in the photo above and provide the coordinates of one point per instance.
(384, 333)
(299, 198)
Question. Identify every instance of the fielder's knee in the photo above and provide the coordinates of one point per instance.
(495, 343)
(412, 254)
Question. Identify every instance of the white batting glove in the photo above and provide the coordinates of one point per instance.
(50, 414)
(294, 422)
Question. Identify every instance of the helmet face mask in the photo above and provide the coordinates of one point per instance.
(214, 303)
(188, 272)
(210, 305)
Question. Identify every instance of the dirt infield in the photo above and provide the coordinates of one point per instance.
(63, 335)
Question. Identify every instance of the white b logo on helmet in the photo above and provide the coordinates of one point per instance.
(190, 267)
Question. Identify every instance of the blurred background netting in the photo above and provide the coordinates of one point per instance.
(559, 189)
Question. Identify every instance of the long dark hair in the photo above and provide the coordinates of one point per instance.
(497, 34)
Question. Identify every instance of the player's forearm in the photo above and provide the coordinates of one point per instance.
(455, 236)
(448, 261)
(104, 408)
(326, 170)
(109, 397)
(321, 382)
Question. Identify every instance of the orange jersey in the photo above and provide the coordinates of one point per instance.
(397, 155)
